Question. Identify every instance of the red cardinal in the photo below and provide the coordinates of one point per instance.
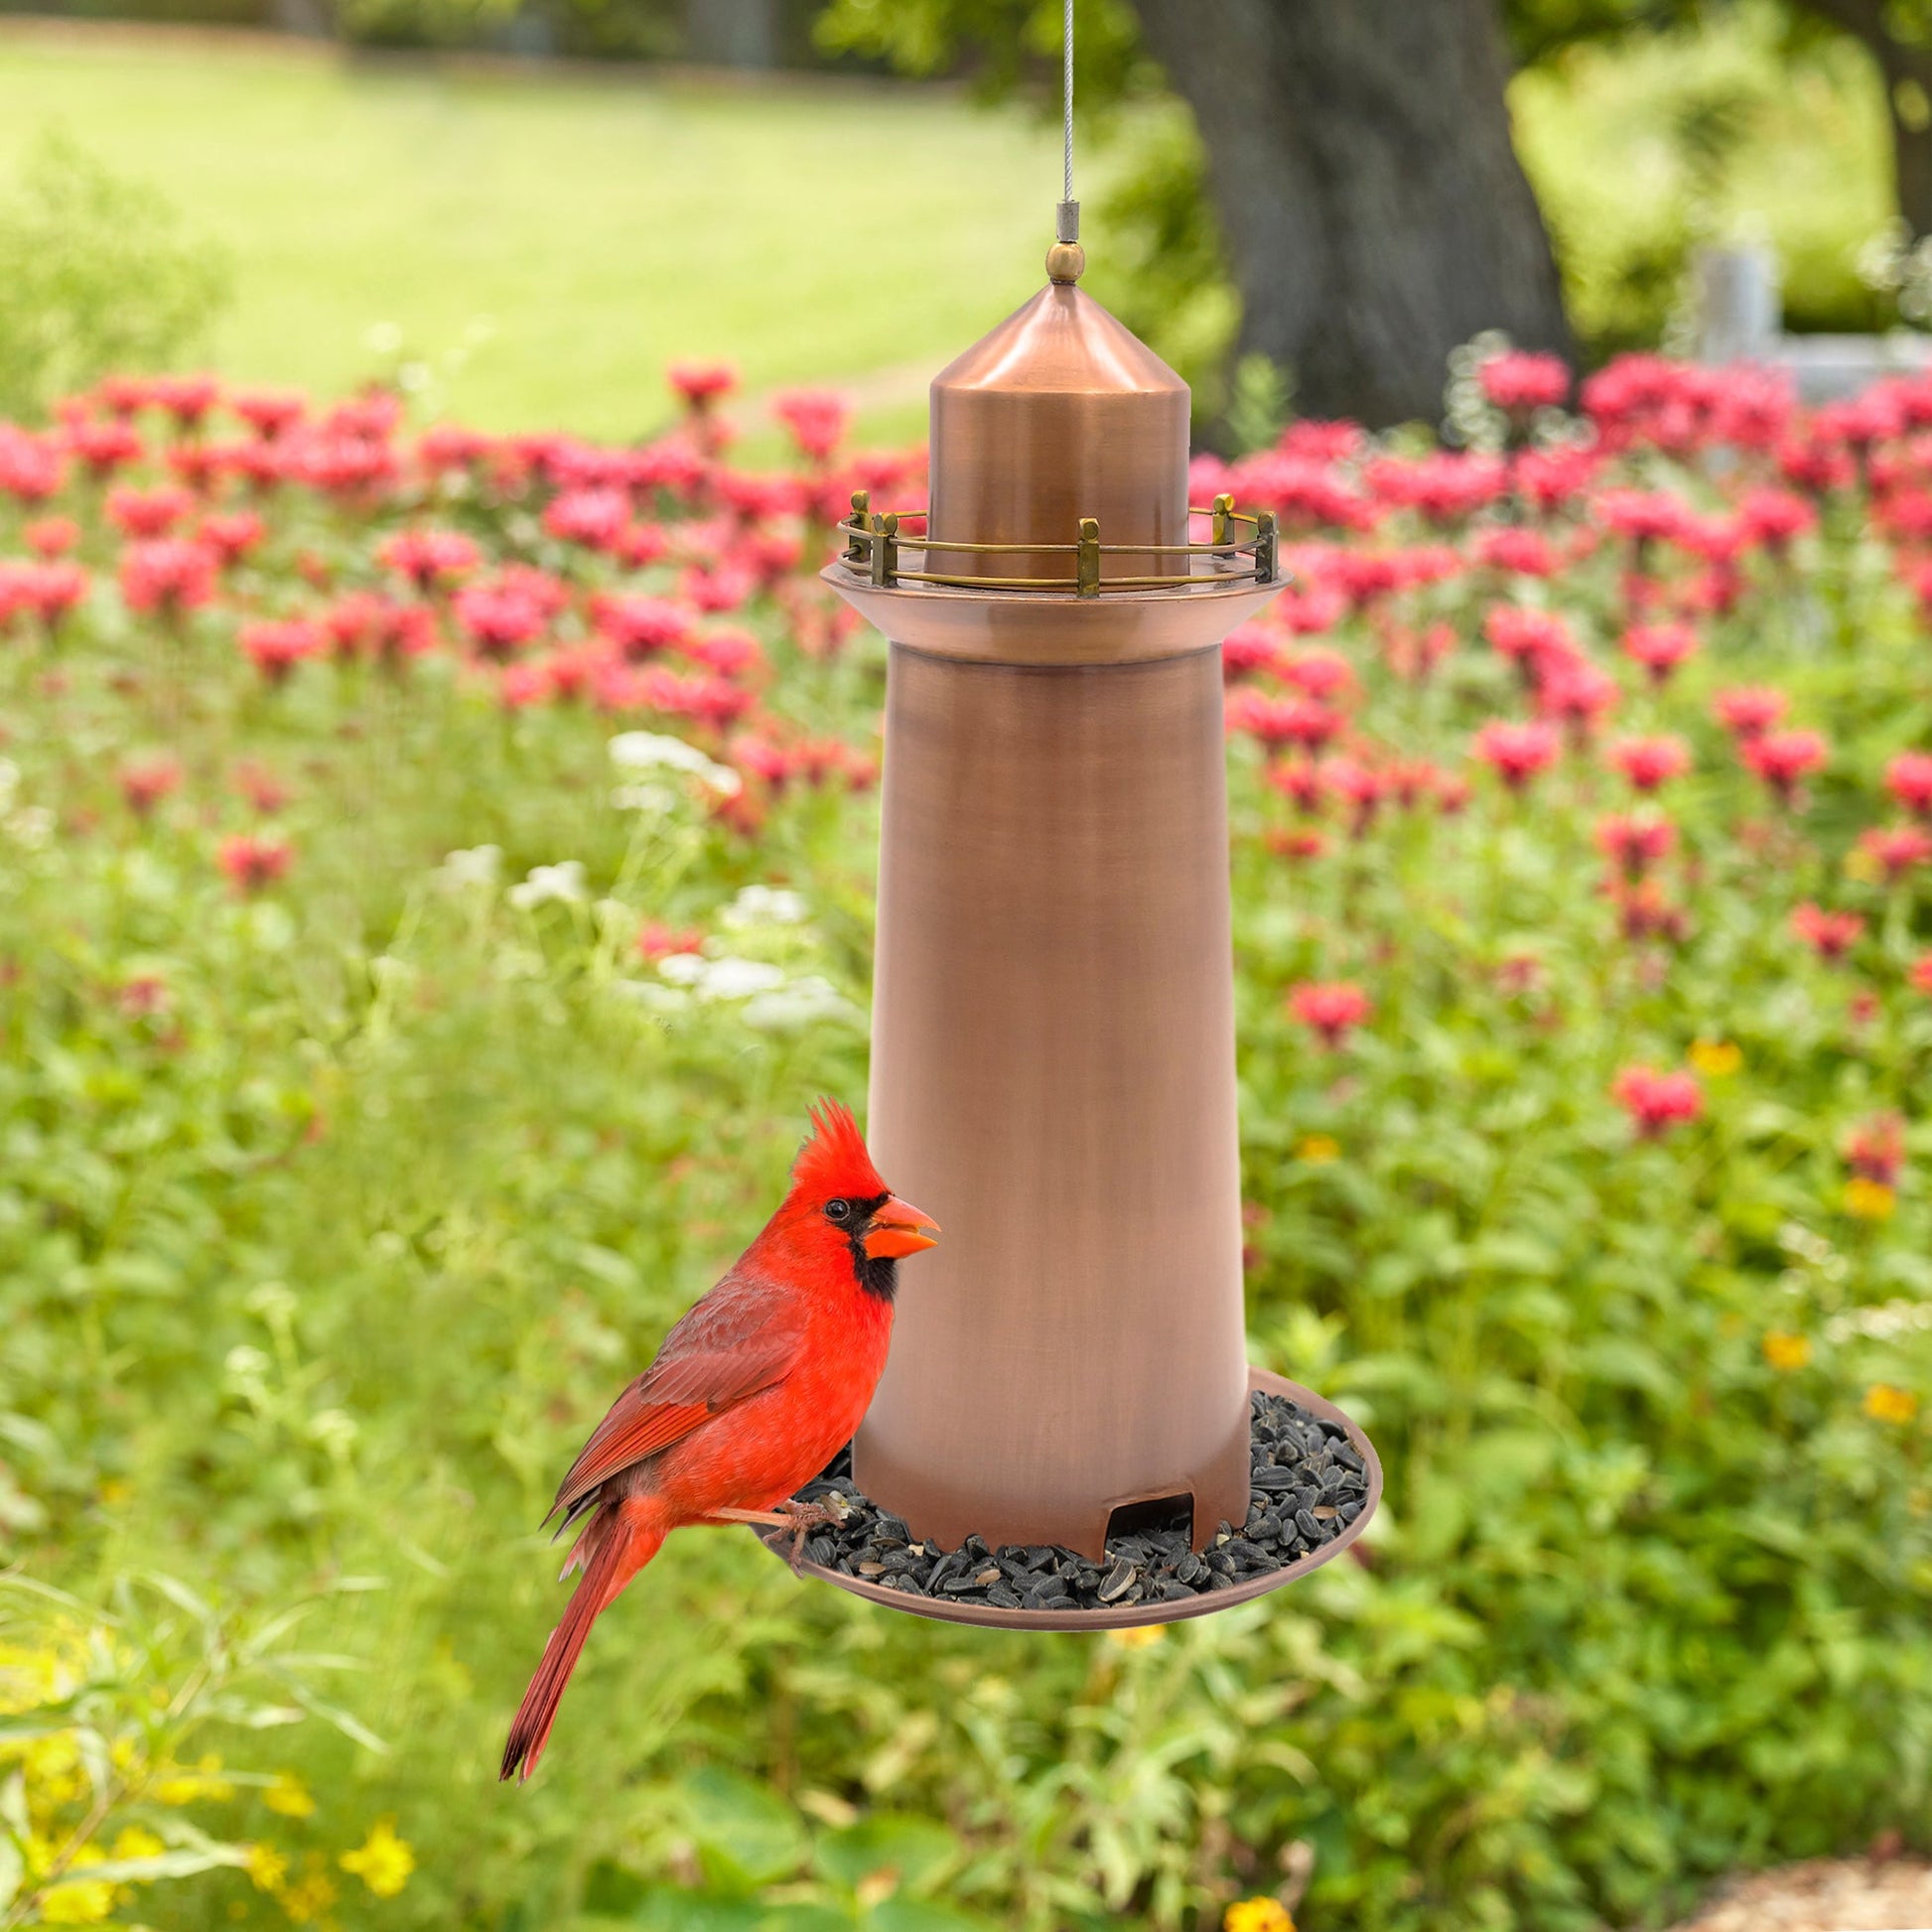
(753, 1392)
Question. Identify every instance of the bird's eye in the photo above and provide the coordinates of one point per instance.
(838, 1211)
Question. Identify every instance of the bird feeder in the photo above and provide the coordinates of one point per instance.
(1054, 1051)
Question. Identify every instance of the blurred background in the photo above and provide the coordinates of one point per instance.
(532, 207)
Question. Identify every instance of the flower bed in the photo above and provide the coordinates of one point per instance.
(435, 873)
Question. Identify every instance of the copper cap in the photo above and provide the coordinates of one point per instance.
(1060, 413)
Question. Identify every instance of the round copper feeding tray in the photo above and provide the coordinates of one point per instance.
(951, 1609)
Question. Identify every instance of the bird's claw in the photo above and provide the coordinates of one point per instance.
(800, 1520)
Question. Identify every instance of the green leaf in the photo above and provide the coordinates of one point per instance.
(918, 1850)
(747, 1834)
(670, 1909)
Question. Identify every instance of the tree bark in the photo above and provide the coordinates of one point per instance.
(1360, 163)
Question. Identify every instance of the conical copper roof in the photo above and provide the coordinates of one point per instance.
(1060, 413)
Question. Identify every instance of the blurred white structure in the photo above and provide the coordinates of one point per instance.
(1739, 318)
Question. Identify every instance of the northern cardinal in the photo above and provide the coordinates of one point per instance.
(756, 1389)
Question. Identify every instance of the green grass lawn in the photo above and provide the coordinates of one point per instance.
(597, 228)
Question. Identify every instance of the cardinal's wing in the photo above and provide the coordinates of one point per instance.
(744, 1337)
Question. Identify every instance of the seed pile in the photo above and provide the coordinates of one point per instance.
(1308, 1486)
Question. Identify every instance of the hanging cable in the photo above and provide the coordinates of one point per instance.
(1066, 225)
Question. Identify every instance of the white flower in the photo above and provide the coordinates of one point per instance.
(480, 865)
(640, 750)
(654, 799)
(657, 751)
(802, 1003)
(9, 781)
(683, 968)
(563, 881)
(764, 905)
(734, 979)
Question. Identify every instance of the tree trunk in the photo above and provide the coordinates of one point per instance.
(1361, 162)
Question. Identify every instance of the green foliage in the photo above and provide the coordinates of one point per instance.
(332, 1216)
(96, 273)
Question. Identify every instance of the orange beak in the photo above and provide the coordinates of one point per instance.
(899, 1229)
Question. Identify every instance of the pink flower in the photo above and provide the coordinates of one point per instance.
(1521, 551)
(231, 534)
(1657, 1101)
(276, 645)
(595, 518)
(656, 940)
(1875, 1149)
(1521, 382)
(1635, 842)
(500, 617)
(1921, 973)
(1750, 710)
(641, 626)
(1775, 518)
(147, 512)
(1896, 849)
(1784, 760)
(1908, 777)
(1648, 762)
(701, 384)
(816, 419)
(1284, 721)
(1247, 648)
(1517, 753)
(253, 860)
(52, 536)
(1659, 647)
(1831, 935)
(1329, 1008)
(170, 575)
(146, 781)
(429, 557)
(269, 412)
(1323, 675)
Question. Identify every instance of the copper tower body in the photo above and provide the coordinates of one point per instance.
(1054, 1052)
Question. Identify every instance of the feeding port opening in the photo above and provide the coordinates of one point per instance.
(1157, 1516)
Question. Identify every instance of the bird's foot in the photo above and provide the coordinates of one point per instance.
(799, 1520)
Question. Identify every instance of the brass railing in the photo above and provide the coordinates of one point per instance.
(874, 541)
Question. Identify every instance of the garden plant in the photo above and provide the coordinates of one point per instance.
(435, 878)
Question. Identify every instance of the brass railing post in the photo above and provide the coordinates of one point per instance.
(1266, 541)
(885, 550)
(1223, 510)
(855, 550)
(1086, 573)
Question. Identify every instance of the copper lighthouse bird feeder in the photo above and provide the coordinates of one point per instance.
(1054, 1051)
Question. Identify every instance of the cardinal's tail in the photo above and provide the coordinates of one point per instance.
(616, 1543)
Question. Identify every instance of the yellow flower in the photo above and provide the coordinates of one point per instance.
(288, 1796)
(1786, 1352)
(1318, 1150)
(1139, 1638)
(1257, 1915)
(308, 1898)
(266, 1866)
(384, 1863)
(1869, 1200)
(134, 1843)
(1716, 1057)
(87, 1901)
(79, 1901)
(1884, 1403)
(1862, 867)
(114, 1490)
(186, 1785)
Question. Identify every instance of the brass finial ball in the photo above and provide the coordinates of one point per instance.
(1066, 262)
